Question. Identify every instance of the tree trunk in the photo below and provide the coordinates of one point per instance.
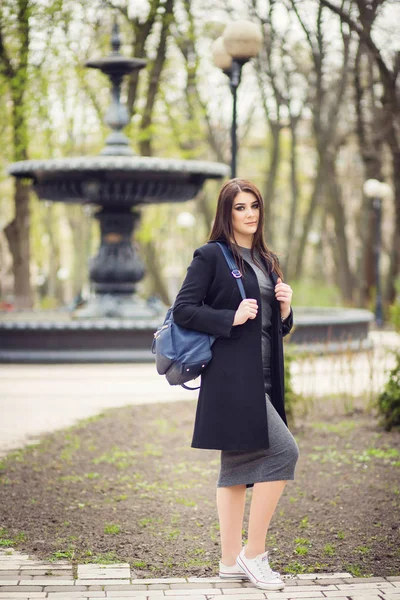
(294, 201)
(18, 230)
(154, 271)
(269, 192)
(80, 230)
(18, 236)
(154, 81)
(345, 277)
(394, 265)
(141, 31)
(308, 219)
(205, 210)
(369, 132)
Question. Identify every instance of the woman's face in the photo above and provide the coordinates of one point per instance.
(245, 214)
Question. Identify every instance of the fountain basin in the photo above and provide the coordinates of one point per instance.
(52, 337)
(117, 181)
(331, 329)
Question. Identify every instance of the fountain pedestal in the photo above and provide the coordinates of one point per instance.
(116, 269)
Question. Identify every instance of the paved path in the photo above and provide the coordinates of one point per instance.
(24, 578)
(41, 398)
(35, 399)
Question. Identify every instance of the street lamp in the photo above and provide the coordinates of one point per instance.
(377, 190)
(240, 42)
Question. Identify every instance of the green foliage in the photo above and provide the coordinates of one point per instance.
(389, 399)
(315, 293)
(6, 540)
(394, 312)
(394, 309)
(106, 558)
(112, 528)
(329, 550)
(68, 553)
(290, 395)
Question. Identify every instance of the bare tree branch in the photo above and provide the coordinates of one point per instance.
(386, 73)
(154, 79)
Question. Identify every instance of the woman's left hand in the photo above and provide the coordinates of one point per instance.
(283, 293)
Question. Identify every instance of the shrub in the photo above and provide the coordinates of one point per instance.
(394, 309)
(290, 395)
(389, 399)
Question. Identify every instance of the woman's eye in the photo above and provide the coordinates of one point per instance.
(254, 206)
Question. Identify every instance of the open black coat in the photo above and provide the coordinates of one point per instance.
(231, 410)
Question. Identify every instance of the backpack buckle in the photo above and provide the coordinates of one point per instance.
(236, 273)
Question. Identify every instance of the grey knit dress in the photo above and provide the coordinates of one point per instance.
(279, 460)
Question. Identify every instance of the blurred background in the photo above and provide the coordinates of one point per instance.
(318, 114)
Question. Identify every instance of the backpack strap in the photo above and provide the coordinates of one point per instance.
(189, 388)
(233, 268)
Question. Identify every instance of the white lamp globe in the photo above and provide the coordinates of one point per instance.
(372, 188)
(62, 273)
(221, 58)
(185, 220)
(242, 40)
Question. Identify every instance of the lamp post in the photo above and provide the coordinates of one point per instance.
(240, 42)
(377, 190)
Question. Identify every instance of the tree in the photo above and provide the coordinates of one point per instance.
(389, 69)
(14, 68)
(326, 100)
(283, 79)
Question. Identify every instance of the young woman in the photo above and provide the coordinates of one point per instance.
(240, 409)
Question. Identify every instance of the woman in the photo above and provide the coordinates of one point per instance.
(241, 410)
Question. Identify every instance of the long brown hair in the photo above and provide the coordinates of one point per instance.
(222, 227)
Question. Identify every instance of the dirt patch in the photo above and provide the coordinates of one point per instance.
(126, 486)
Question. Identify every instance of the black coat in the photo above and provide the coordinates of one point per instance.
(231, 410)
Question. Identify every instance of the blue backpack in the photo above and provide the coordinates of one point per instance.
(183, 354)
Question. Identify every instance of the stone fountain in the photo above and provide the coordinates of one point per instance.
(115, 324)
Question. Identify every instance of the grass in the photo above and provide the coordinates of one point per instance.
(302, 546)
(303, 523)
(362, 549)
(174, 534)
(343, 427)
(112, 528)
(295, 567)
(106, 558)
(169, 504)
(356, 570)
(7, 541)
(139, 564)
(122, 459)
(329, 550)
(68, 554)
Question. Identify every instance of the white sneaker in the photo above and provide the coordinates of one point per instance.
(232, 572)
(259, 571)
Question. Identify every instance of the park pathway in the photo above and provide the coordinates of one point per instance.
(36, 399)
(24, 578)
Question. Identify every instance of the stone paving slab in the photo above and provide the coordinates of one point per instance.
(117, 581)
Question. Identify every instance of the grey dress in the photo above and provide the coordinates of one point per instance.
(279, 460)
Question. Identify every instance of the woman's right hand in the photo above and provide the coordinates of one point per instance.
(247, 310)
